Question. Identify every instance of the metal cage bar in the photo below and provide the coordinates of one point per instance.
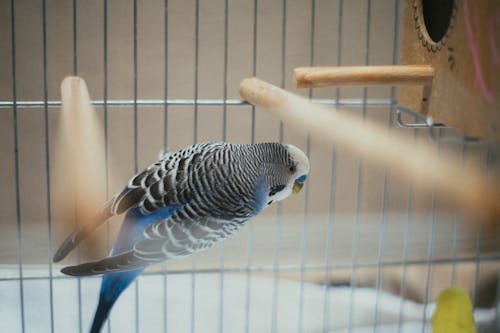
(16, 165)
(165, 140)
(153, 103)
(359, 188)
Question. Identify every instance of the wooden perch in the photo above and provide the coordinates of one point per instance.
(310, 77)
(467, 188)
(80, 157)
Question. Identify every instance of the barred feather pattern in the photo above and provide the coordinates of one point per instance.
(214, 185)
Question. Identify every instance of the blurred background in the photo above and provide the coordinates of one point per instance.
(164, 74)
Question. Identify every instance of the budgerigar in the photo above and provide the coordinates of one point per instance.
(186, 202)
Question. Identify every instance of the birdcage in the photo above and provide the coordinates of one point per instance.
(360, 249)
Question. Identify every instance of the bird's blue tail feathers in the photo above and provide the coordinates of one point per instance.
(113, 284)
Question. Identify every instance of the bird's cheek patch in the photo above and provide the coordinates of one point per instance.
(276, 189)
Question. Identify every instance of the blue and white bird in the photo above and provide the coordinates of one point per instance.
(186, 202)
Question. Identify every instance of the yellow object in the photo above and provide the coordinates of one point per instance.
(453, 312)
(297, 187)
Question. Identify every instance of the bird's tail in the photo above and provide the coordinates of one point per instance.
(112, 286)
(101, 314)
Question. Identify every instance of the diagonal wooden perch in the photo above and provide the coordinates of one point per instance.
(467, 188)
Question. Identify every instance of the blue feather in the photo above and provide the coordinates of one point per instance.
(260, 197)
(113, 284)
(134, 225)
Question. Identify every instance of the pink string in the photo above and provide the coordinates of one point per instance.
(488, 95)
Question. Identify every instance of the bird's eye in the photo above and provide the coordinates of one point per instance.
(293, 168)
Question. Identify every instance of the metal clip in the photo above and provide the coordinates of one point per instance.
(428, 122)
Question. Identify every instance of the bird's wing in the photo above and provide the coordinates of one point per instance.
(163, 184)
(169, 240)
(146, 189)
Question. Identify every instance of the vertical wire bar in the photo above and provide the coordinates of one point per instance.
(136, 162)
(16, 163)
(252, 140)
(283, 43)
(479, 235)
(409, 211)
(276, 261)
(165, 142)
(329, 246)
(430, 249)
(105, 109)
(359, 183)
(248, 276)
(395, 45)
(406, 245)
(277, 257)
(477, 263)
(339, 46)
(225, 60)
(254, 65)
(106, 134)
(380, 254)
(195, 139)
(193, 295)
(456, 222)
(165, 76)
(277, 225)
(385, 190)
(224, 138)
(454, 250)
(136, 157)
(196, 65)
(75, 73)
(489, 164)
(497, 304)
(47, 160)
(75, 45)
(303, 249)
(354, 247)
(312, 36)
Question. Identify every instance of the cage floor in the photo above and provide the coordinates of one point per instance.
(271, 305)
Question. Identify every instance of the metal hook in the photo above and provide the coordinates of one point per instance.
(428, 122)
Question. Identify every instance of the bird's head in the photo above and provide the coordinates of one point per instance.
(292, 172)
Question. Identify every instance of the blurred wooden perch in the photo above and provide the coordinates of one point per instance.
(80, 164)
(465, 187)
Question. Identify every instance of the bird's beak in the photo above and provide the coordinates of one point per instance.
(297, 187)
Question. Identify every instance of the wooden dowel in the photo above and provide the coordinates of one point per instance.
(419, 162)
(310, 77)
(80, 156)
